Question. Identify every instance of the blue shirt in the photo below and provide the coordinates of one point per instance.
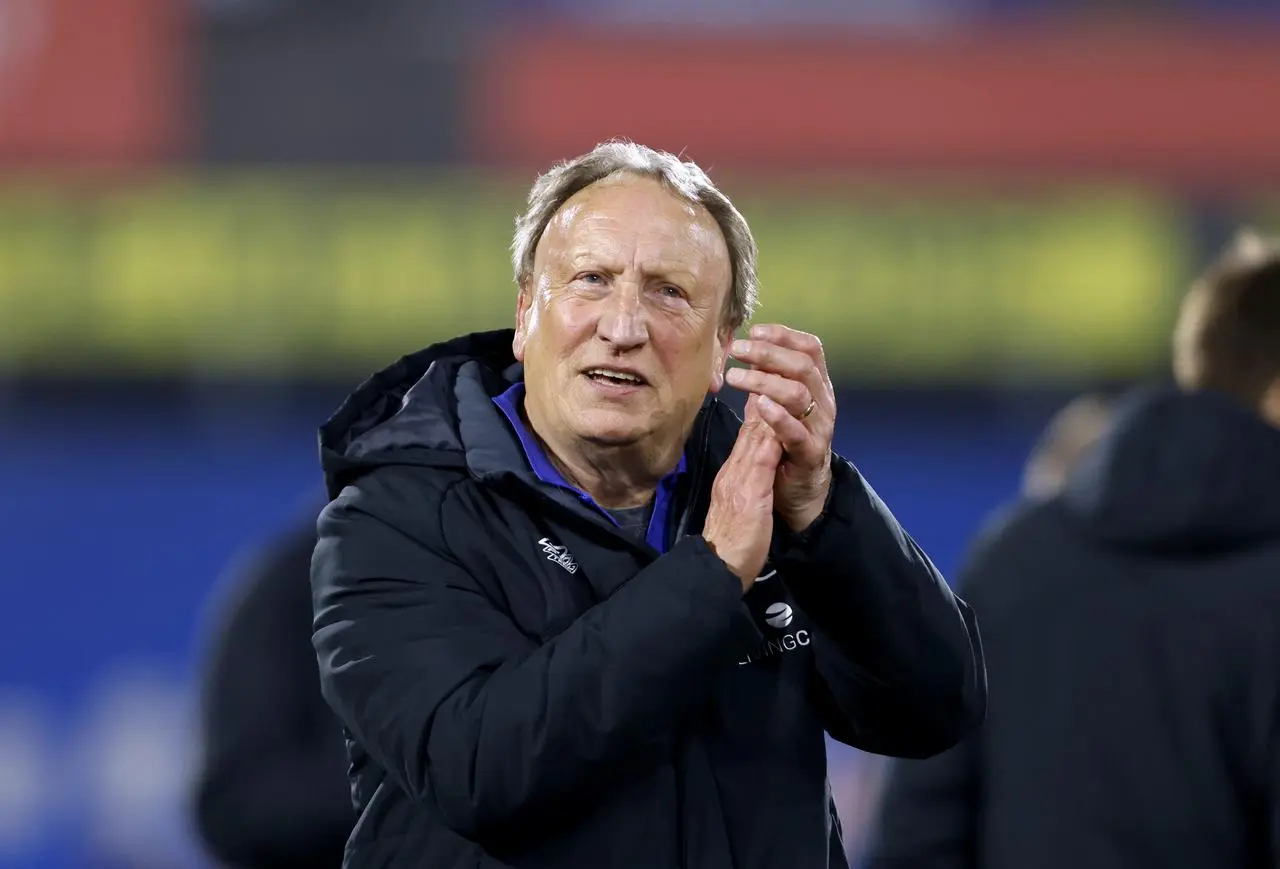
(657, 536)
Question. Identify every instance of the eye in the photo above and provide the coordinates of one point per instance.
(670, 292)
(591, 277)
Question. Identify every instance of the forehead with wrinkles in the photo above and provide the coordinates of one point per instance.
(629, 221)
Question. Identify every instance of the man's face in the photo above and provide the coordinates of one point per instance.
(620, 325)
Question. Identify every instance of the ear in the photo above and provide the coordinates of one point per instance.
(523, 300)
(721, 358)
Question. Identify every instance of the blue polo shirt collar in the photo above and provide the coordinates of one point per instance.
(509, 403)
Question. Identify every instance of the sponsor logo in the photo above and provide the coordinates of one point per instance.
(777, 646)
(559, 554)
(778, 615)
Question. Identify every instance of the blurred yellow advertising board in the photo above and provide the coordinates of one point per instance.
(279, 275)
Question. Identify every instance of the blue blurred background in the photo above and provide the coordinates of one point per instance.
(217, 217)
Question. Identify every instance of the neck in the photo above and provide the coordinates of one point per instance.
(616, 477)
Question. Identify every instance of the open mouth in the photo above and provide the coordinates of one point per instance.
(614, 377)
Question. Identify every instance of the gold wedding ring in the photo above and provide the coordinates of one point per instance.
(808, 410)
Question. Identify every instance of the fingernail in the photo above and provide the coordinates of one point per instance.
(740, 347)
(759, 331)
(734, 376)
(767, 403)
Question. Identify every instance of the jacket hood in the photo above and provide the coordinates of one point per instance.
(435, 408)
(408, 413)
(1180, 472)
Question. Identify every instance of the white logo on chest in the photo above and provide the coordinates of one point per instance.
(559, 554)
(778, 615)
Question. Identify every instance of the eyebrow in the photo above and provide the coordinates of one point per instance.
(670, 271)
(578, 257)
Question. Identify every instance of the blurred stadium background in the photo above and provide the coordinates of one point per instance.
(216, 216)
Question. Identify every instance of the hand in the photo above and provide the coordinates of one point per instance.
(739, 524)
(789, 374)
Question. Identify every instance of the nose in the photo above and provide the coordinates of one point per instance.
(624, 321)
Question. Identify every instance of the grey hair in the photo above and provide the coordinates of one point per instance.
(684, 178)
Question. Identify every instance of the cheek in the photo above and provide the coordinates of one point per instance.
(535, 317)
(558, 328)
(695, 355)
(573, 321)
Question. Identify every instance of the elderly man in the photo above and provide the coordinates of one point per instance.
(572, 611)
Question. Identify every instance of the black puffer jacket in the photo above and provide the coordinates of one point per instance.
(1132, 630)
(526, 686)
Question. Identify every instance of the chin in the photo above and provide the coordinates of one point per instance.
(610, 428)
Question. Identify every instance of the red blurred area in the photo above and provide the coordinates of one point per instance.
(90, 82)
(1173, 103)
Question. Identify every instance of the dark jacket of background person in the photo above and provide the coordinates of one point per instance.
(526, 686)
(272, 788)
(1132, 631)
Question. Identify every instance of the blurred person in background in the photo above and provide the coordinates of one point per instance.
(1070, 434)
(572, 611)
(858, 783)
(271, 789)
(1131, 631)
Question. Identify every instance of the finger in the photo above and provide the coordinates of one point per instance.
(789, 363)
(801, 445)
(804, 342)
(772, 357)
(791, 394)
(793, 339)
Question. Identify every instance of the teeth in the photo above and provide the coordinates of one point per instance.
(614, 375)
